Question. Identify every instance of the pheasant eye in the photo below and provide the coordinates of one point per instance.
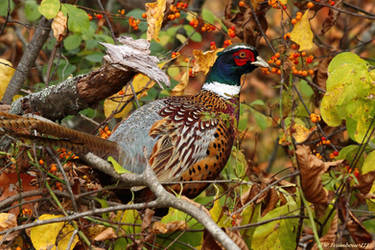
(242, 54)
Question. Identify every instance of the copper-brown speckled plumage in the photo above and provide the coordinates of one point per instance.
(195, 139)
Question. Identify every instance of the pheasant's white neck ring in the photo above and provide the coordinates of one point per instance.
(224, 90)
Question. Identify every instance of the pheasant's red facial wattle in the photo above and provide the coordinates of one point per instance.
(243, 56)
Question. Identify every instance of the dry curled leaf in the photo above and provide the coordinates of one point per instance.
(365, 182)
(59, 26)
(204, 60)
(170, 227)
(155, 14)
(107, 234)
(7, 221)
(329, 21)
(302, 34)
(330, 237)
(178, 90)
(147, 218)
(210, 243)
(311, 170)
(6, 73)
(356, 230)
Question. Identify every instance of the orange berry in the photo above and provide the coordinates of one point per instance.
(278, 72)
(241, 3)
(310, 5)
(144, 15)
(356, 172)
(41, 162)
(277, 55)
(227, 43)
(274, 70)
(294, 21)
(304, 73)
(299, 14)
(177, 14)
(203, 29)
(173, 8)
(90, 17)
(287, 36)
(121, 92)
(278, 62)
(98, 16)
(53, 167)
(311, 72)
(315, 118)
(294, 46)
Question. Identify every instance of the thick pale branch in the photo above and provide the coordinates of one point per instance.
(80, 92)
(164, 198)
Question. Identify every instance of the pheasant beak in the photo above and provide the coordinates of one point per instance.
(260, 62)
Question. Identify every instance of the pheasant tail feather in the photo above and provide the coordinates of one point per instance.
(79, 142)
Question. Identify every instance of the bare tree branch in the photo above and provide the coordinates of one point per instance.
(28, 58)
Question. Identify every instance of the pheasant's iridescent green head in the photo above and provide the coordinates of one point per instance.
(230, 65)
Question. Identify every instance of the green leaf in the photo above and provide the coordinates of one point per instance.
(279, 234)
(118, 168)
(49, 8)
(348, 153)
(305, 89)
(78, 20)
(208, 16)
(192, 33)
(4, 7)
(72, 41)
(95, 58)
(257, 102)
(261, 120)
(120, 243)
(31, 10)
(369, 165)
(350, 95)
(173, 71)
(181, 38)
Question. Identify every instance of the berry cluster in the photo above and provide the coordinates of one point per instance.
(175, 54)
(175, 9)
(298, 17)
(104, 133)
(63, 154)
(276, 4)
(295, 58)
(315, 118)
(97, 16)
(134, 23)
(232, 32)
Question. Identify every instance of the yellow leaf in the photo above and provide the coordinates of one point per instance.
(46, 236)
(204, 60)
(283, 1)
(155, 15)
(302, 34)
(179, 88)
(59, 25)
(6, 73)
(113, 103)
(299, 132)
(7, 221)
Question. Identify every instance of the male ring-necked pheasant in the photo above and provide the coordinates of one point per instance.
(186, 137)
